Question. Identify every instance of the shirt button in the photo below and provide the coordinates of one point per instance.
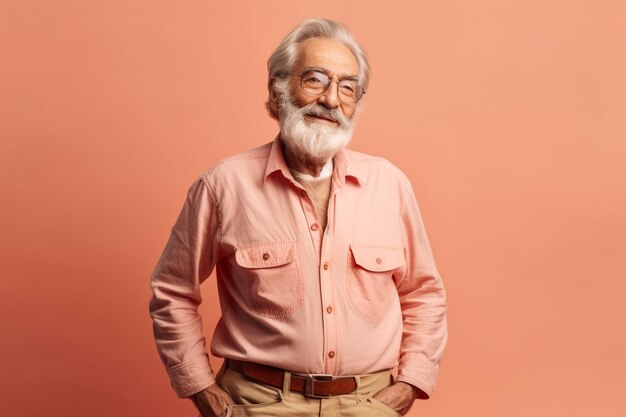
(379, 261)
(326, 265)
(314, 227)
(266, 256)
(331, 354)
(329, 309)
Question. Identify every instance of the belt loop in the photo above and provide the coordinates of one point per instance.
(287, 383)
(357, 391)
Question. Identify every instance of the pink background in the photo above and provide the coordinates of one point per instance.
(508, 116)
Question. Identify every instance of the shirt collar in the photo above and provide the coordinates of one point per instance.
(343, 168)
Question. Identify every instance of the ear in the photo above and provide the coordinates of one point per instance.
(274, 98)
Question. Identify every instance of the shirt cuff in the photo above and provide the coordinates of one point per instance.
(417, 370)
(192, 376)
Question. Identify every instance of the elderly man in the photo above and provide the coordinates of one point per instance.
(325, 276)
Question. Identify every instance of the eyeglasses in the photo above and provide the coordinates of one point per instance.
(316, 82)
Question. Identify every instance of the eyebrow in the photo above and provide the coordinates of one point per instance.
(350, 77)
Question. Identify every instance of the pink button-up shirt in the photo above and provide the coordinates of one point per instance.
(360, 296)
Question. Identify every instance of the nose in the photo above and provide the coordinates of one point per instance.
(330, 97)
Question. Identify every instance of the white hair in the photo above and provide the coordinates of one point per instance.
(284, 56)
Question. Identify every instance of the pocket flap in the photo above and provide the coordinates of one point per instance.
(377, 259)
(264, 255)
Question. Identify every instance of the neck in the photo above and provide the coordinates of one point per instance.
(304, 165)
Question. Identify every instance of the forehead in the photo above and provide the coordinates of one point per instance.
(326, 53)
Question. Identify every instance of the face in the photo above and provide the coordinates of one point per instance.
(337, 61)
(315, 126)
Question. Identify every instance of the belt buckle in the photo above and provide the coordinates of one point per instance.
(309, 389)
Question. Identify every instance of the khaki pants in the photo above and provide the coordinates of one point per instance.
(256, 399)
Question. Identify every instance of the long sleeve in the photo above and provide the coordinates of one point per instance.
(423, 304)
(188, 259)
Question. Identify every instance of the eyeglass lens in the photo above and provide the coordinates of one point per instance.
(317, 82)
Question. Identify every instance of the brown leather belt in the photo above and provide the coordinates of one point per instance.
(311, 385)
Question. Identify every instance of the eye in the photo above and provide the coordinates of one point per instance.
(348, 88)
(314, 81)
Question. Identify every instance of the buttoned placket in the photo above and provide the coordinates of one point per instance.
(328, 267)
(322, 246)
(329, 318)
(312, 221)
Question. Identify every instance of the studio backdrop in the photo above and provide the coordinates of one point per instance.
(507, 116)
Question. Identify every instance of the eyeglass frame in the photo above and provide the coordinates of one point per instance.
(325, 73)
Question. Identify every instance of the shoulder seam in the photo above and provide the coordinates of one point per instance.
(209, 189)
(216, 205)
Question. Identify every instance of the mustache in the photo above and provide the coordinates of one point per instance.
(335, 114)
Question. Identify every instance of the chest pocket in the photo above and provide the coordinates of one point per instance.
(370, 279)
(275, 277)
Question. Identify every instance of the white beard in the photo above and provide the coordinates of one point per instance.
(311, 142)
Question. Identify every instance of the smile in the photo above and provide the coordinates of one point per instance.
(321, 119)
